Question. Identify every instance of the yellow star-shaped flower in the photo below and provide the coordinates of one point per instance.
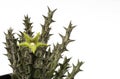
(32, 43)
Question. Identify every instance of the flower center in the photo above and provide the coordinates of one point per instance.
(32, 43)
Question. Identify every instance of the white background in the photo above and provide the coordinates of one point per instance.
(97, 33)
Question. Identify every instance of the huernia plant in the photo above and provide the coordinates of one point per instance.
(32, 58)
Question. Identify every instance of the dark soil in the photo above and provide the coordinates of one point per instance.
(7, 76)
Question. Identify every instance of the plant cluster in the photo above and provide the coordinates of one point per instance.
(32, 58)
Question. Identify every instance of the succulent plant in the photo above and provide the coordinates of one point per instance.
(31, 58)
